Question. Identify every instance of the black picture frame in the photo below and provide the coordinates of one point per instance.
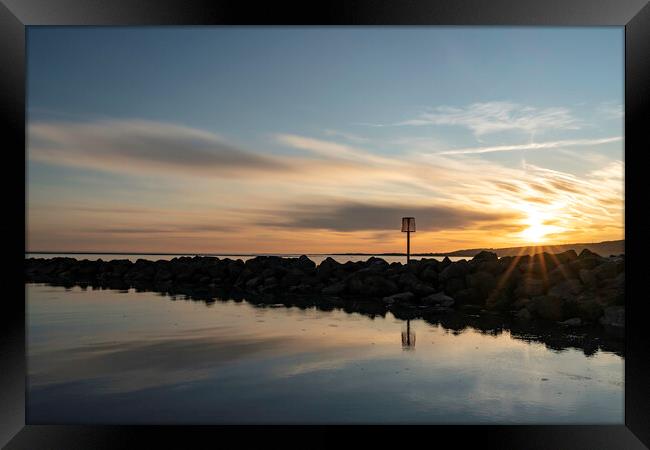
(634, 15)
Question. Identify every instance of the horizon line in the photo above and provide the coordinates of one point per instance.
(311, 253)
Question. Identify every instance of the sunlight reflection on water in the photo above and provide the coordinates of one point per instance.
(99, 356)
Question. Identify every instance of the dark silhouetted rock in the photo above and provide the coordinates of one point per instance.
(483, 282)
(546, 307)
(334, 289)
(468, 296)
(305, 263)
(613, 316)
(606, 270)
(586, 262)
(561, 273)
(524, 314)
(438, 299)
(484, 256)
(587, 277)
(579, 287)
(566, 290)
(573, 322)
(456, 270)
(454, 285)
(402, 297)
(530, 287)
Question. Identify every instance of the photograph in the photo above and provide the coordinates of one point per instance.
(311, 225)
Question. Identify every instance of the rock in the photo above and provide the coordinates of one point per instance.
(410, 282)
(499, 299)
(438, 299)
(305, 263)
(594, 282)
(402, 297)
(560, 273)
(606, 270)
(327, 268)
(408, 279)
(376, 264)
(565, 257)
(253, 282)
(270, 281)
(485, 256)
(301, 289)
(373, 286)
(483, 282)
(588, 262)
(613, 316)
(566, 290)
(530, 287)
(540, 265)
(293, 277)
(521, 303)
(492, 267)
(618, 282)
(162, 275)
(546, 307)
(587, 277)
(573, 322)
(523, 314)
(415, 267)
(589, 310)
(454, 285)
(455, 270)
(423, 289)
(430, 274)
(586, 253)
(334, 289)
(620, 264)
(468, 296)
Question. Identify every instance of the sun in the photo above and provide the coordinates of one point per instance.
(537, 228)
(534, 233)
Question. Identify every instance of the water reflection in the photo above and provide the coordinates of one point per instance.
(98, 356)
(408, 337)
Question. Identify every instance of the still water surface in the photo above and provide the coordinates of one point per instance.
(103, 356)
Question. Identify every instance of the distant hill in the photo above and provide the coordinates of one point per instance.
(602, 248)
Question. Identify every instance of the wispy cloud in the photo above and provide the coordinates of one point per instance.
(357, 216)
(533, 146)
(347, 136)
(492, 117)
(183, 228)
(337, 193)
(610, 110)
(333, 150)
(139, 145)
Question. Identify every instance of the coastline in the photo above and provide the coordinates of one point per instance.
(565, 289)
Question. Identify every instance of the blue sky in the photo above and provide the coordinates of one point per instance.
(508, 99)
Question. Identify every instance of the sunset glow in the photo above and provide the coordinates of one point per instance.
(320, 140)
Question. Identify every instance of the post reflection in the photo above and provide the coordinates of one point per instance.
(408, 337)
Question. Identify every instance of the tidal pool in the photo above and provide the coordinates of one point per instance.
(126, 357)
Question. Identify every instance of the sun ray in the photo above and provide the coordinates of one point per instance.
(555, 259)
(542, 262)
(503, 279)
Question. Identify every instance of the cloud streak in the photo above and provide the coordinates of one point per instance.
(338, 194)
(493, 117)
(139, 145)
(356, 216)
(533, 146)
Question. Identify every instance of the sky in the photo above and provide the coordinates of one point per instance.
(319, 139)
